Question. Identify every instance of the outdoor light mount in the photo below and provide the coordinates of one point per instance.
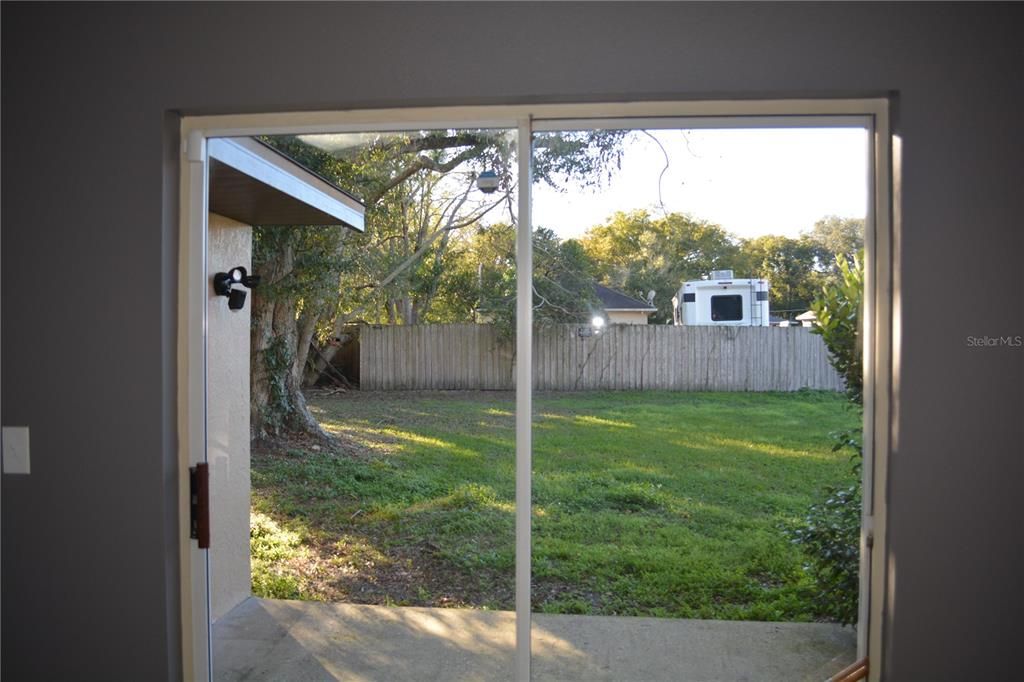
(224, 285)
(596, 325)
(487, 182)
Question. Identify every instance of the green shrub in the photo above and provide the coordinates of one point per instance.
(838, 312)
(830, 535)
(830, 532)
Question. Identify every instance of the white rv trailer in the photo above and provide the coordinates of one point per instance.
(722, 300)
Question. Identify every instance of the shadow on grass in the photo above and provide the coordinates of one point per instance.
(645, 504)
(345, 530)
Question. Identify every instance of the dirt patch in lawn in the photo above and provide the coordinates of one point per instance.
(344, 571)
(345, 556)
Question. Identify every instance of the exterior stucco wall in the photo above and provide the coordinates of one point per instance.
(227, 420)
(626, 317)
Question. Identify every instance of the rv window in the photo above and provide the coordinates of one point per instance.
(726, 308)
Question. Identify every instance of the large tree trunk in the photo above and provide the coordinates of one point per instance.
(276, 400)
(307, 323)
(277, 403)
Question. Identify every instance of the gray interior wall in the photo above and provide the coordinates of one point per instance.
(88, 261)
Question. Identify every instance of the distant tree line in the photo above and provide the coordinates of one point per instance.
(637, 253)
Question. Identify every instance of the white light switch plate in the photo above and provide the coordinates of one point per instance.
(15, 449)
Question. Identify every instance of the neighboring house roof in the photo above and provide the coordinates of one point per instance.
(257, 185)
(616, 300)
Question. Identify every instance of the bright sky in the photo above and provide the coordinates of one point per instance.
(751, 182)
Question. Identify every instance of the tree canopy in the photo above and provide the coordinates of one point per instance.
(636, 253)
(484, 278)
(420, 199)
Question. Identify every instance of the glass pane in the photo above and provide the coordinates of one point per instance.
(726, 308)
(677, 463)
(377, 525)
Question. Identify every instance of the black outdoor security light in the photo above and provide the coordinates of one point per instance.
(224, 285)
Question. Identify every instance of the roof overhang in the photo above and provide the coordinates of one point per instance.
(631, 310)
(254, 184)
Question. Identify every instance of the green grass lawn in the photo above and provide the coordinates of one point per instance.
(654, 504)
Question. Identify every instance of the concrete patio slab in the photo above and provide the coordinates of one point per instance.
(291, 641)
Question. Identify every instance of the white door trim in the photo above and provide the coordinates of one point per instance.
(880, 349)
(192, 278)
(524, 401)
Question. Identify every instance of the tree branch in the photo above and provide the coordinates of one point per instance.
(435, 142)
(664, 169)
(418, 164)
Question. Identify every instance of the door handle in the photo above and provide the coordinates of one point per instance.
(199, 504)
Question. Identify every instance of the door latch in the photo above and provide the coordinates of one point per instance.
(199, 504)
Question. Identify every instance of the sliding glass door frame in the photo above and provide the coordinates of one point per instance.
(881, 305)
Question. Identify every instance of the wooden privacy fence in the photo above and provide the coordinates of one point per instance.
(621, 357)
